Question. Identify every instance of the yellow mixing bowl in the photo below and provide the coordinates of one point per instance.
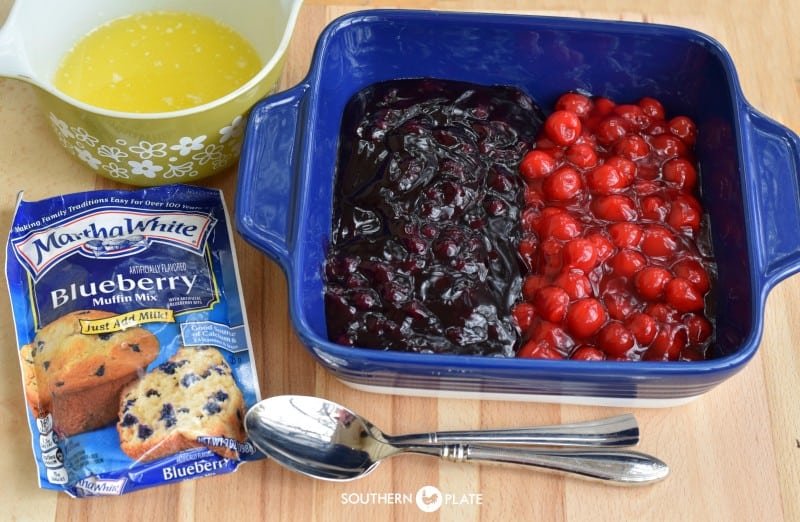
(144, 149)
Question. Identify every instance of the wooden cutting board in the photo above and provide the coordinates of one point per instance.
(734, 453)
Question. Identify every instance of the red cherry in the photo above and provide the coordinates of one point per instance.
(614, 207)
(667, 146)
(588, 353)
(615, 339)
(602, 245)
(650, 281)
(692, 270)
(643, 327)
(611, 129)
(634, 115)
(562, 127)
(582, 155)
(684, 216)
(574, 102)
(581, 254)
(631, 146)
(574, 282)
(551, 302)
(667, 344)
(585, 317)
(680, 173)
(563, 184)
(625, 234)
(654, 208)
(698, 328)
(538, 350)
(606, 179)
(537, 164)
(658, 241)
(662, 312)
(626, 263)
(554, 335)
(619, 304)
(559, 225)
(603, 106)
(683, 296)
(625, 167)
(652, 108)
(684, 128)
(523, 314)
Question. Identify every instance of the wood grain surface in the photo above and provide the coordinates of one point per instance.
(734, 452)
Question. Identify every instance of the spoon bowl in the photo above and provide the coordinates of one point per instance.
(324, 440)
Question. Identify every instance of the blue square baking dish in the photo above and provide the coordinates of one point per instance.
(748, 165)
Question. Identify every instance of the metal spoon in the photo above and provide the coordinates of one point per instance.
(324, 440)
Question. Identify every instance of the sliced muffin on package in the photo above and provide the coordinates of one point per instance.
(136, 359)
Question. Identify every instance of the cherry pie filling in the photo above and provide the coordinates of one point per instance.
(466, 222)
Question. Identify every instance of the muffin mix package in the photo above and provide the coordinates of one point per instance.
(136, 358)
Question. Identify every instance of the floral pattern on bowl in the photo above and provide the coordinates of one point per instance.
(187, 158)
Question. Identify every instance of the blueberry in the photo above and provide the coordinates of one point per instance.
(365, 299)
(211, 407)
(439, 160)
(169, 367)
(446, 248)
(356, 280)
(128, 420)
(144, 432)
(101, 370)
(168, 415)
(394, 292)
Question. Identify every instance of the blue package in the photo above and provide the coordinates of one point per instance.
(128, 310)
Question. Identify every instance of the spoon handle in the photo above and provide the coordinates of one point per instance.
(619, 466)
(618, 431)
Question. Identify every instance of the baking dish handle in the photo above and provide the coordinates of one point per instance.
(267, 168)
(775, 150)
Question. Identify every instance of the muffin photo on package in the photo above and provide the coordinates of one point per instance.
(132, 338)
(184, 401)
(76, 376)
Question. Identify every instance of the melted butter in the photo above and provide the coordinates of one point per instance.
(157, 62)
